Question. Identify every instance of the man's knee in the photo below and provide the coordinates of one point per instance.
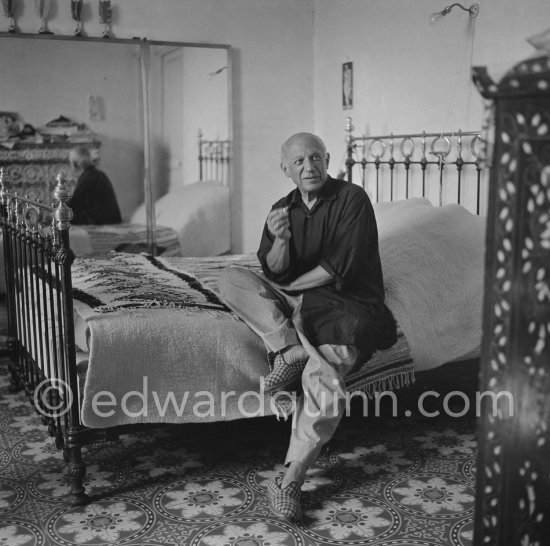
(234, 279)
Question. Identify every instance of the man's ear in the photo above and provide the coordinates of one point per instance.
(284, 168)
(328, 158)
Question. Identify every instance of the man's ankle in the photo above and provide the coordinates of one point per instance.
(294, 353)
(296, 472)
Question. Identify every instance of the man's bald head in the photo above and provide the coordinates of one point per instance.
(301, 137)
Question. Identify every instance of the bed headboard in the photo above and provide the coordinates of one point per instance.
(443, 167)
(214, 159)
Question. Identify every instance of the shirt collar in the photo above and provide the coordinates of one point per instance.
(328, 193)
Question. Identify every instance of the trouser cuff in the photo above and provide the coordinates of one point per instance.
(284, 336)
(302, 452)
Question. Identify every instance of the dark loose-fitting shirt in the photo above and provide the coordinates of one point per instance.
(94, 200)
(338, 233)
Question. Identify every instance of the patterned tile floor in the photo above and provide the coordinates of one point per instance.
(382, 480)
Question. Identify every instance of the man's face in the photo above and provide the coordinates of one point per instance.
(305, 161)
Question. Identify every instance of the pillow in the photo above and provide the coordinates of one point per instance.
(199, 213)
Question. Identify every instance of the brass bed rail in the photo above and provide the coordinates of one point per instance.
(412, 165)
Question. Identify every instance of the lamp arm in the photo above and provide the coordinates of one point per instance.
(473, 10)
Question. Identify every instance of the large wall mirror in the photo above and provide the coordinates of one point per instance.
(144, 104)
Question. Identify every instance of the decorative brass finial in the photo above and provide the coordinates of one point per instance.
(349, 129)
(63, 214)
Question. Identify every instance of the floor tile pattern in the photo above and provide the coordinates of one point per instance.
(384, 480)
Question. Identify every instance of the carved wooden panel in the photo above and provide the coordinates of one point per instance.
(513, 501)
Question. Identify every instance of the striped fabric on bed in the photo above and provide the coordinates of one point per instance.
(131, 238)
(385, 371)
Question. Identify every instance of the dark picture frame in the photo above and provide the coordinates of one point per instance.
(347, 85)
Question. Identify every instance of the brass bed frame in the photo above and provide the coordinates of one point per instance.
(37, 260)
(431, 165)
(214, 159)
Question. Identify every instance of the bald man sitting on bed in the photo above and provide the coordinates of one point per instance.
(320, 310)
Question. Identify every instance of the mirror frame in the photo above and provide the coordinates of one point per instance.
(145, 107)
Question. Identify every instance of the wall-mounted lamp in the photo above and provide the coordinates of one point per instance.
(473, 10)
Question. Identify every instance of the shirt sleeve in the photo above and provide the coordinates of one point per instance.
(355, 230)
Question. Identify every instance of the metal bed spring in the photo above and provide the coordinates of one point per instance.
(38, 260)
(214, 159)
(404, 154)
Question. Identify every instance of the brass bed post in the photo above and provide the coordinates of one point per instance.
(407, 165)
(7, 233)
(201, 158)
(479, 163)
(349, 150)
(52, 314)
(63, 258)
(459, 163)
(423, 163)
(24, 311)
(34, 314)
(48, 343)
(441, 155)
(391, 163)
(17, 284)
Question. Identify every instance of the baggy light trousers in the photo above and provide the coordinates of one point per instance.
(275, 317)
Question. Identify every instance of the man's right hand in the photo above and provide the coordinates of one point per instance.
(278, 223)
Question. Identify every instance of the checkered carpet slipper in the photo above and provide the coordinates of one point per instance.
(284, 503)
(283, 374)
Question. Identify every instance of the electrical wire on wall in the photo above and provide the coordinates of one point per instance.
(466, 62)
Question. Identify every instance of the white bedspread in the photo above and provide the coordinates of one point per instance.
(167, 365)
(433, 260)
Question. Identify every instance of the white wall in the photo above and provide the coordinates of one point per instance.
(409, 75)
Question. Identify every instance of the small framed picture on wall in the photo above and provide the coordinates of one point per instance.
(347, 85)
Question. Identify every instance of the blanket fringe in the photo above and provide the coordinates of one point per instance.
(284, 405)
(390, 383)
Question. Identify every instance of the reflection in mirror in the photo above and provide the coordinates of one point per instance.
(189, 96)
(67, 91)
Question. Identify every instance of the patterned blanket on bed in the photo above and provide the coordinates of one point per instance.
(118, 281)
